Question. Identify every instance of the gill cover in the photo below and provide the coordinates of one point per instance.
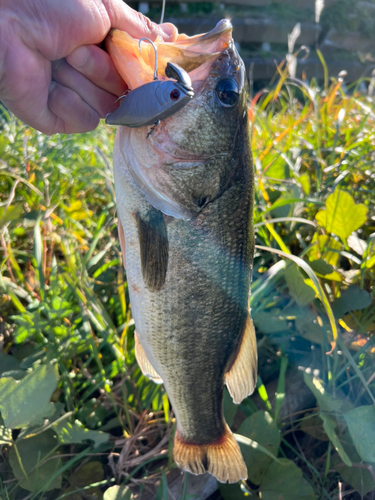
(154, 101)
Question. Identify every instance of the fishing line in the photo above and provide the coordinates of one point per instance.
(162, 12)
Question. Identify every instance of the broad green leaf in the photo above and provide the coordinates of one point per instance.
(320, 266)
(334, 276)
(280, 390)
(352, 299)
(359, 478)
(302, 293)
(342, 215)
(40, 474)
(231, 492)
(284, 481)
(77, 433)
(270, 322)
(261, 428)
(118, 493)
(230, 409)
(361, 425)
(326, 248)
(8, 363)
(325, 401)
(27, 402)
(92, 414)
(13, 213)
(308, 326)
(329, 428)
(277, 167)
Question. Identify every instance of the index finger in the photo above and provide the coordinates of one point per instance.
(136, 24)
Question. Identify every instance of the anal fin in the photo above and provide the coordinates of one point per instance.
(242, 376)
(144, 364)
(222, 459)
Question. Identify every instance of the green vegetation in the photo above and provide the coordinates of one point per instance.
(352, 16)
(78, 419)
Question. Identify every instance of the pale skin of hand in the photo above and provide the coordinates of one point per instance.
(53, 76)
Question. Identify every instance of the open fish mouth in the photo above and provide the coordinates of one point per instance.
(194, 54)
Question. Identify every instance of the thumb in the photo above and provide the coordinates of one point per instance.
(136, 24)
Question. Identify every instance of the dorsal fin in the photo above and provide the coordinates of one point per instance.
(153, 242)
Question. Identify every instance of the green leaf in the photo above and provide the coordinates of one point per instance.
(326, 248)
(13, 213)
(284, 481)
(261, 428)
(230, 409)
(320, 266)
(280, 390)
(352, 299)
(302, 293)
(325, 401)
(329, 428)
(31, 453)
(342, 215)
(8, 363)
(118, 493)
(308, 327)
(77, 433)
(361, 425)
(359, 478)
(27, 402)
(231, 491)
(270, 322)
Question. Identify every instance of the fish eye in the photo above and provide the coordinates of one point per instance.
(175, 94)
(228, 93)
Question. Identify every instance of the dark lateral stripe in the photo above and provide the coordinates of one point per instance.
(153, 241)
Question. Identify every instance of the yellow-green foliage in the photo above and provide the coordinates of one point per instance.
(66, 323)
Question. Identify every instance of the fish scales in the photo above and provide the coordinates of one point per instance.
(188, 249)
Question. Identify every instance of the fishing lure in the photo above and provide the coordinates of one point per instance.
(154, 101)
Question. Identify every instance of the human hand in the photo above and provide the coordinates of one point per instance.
(53, 76)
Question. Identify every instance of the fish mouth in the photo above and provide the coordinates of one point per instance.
(194, 54)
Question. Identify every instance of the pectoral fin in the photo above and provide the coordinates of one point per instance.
(153, 242)
(144, 364)
(242, 376)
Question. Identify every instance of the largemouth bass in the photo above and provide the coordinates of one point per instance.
(185, 200)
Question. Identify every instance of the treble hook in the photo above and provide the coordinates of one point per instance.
(156, 55)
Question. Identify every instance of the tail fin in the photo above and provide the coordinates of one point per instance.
(222, 459)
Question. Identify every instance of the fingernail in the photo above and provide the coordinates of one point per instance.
(170, 30)
(78, 57)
